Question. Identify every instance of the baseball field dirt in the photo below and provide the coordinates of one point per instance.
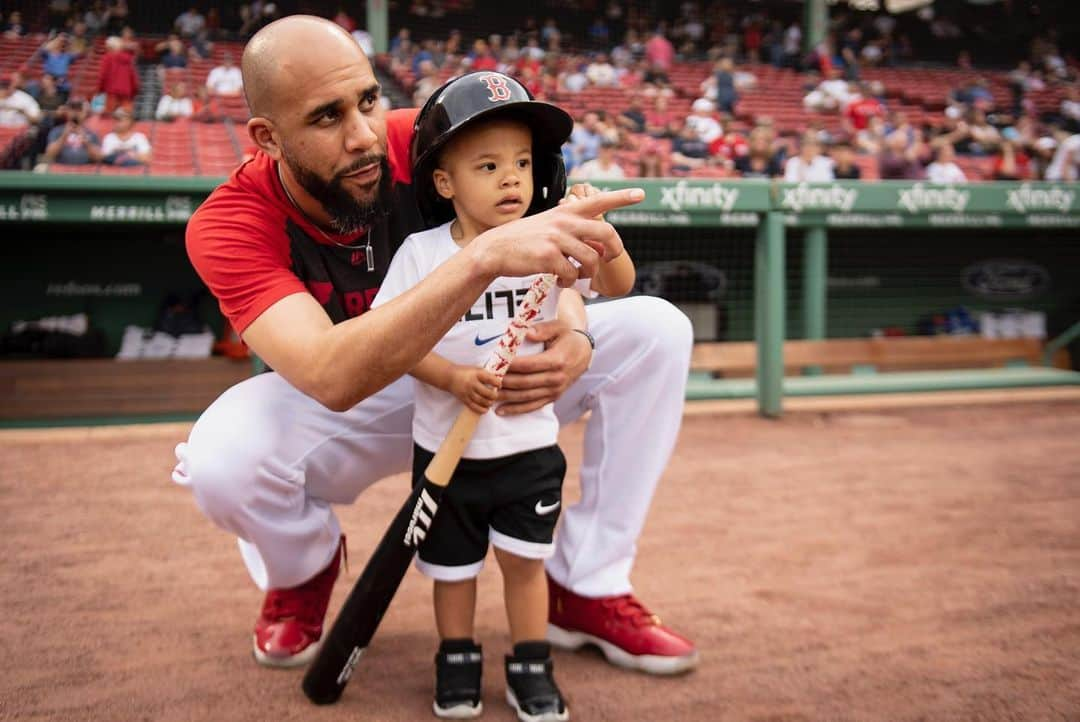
(900, 565)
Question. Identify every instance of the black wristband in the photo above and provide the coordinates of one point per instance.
(589, 336)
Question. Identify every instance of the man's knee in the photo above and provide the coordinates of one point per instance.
(657, 324)
(222, 467)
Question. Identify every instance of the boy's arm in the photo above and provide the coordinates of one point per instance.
(434, 370)
(474, 386)
(616, 277)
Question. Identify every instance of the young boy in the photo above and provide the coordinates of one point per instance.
(486, 153)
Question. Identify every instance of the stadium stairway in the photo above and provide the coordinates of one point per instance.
(392, 89)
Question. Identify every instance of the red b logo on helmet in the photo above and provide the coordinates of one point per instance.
(497, 86)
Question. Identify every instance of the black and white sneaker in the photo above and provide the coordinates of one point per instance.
(530, 685)
(458, 666)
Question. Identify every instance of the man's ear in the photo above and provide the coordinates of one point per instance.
(261, 132)
(443, 185)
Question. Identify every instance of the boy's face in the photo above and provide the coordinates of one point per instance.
(487, 172)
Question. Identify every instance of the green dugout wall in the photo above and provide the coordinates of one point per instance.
(794, 260)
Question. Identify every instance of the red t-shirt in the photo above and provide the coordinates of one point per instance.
(729, 146)
(252, 247)
(860, 111)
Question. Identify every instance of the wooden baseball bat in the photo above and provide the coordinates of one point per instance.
(370, 597)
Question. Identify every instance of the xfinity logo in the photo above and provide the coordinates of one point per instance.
(831, 198)
(683, 195)
(420, 523)
(920, 198)
(1025, 198)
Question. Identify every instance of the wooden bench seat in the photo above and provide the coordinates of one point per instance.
(905, 353)
(70, 388)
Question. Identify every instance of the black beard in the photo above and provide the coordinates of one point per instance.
(347, 215)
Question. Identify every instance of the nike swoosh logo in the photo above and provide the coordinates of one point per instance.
(543, 510)
(481, 341)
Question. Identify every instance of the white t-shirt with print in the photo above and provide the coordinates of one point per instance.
(469, 342)
(135, 143)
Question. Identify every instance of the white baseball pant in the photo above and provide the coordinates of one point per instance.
(266, 462)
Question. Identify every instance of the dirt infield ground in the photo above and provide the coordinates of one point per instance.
(902, 565)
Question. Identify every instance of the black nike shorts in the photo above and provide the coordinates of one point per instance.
(513, 501)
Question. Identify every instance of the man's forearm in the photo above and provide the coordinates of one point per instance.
(364, 354)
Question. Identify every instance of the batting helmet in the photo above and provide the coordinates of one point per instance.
(469, 98)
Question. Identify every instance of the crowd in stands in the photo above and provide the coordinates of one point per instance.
(709, 91)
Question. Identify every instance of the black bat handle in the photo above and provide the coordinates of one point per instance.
(370, 597)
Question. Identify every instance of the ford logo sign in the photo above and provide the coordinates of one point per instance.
(1006, 279)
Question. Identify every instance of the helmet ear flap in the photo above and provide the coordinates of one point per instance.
(549, 181)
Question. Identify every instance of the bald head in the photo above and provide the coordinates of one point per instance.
(285, 56)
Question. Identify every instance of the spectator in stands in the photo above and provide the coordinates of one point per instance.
(225, 79)
(427, 84)
(129, 42)
(550, 35)
(574, 80)
(402, 39)
(365, 41)
(172, 56)
(1065, 165)
(585, 139)
(71, 142)
(602, 167)
(125, 146)
(175, 104)
(761, 161)
(688, 151)
(659, 117)
(1011, 163)
(809, 166)
(190, 23)
(976, 95)
(899, 160)
(651, 161)
(659, 52)
(982, 138)
(118, 78)
(78, 39)
(860, 109)
(830, 94)
(726, 94)
(944, 168)
(598, 34)
(601, 73)
(633, 118)
(14, 27)
(843, 158)
(791, 47)
(703, 120)
(345, 20)
(1070, 108)
(56, 60)
(118, 15)
(851, 51)
(727, 148)
(481, 57)
(206, 109)
(18, 109)
(49, 96)
(96, 18)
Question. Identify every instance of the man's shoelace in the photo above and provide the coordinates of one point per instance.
(629, 608)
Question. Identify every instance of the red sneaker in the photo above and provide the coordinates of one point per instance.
(626, 632)
(289, 628)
